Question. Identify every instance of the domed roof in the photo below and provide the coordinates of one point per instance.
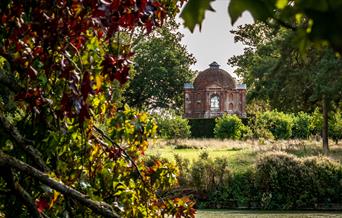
(214, 75)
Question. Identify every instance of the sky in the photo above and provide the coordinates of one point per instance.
(214, 42)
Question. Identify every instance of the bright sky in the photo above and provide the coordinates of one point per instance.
(214, 42)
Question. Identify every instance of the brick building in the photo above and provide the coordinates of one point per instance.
(213, 93)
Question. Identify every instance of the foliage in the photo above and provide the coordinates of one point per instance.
(194, 13)
(202, 128)
(335, 126)
(277, 181)
(230, 126)
(68, 147)
(162, 66)
(317, 122)
(307, 18)
(278, 124)
(286, 182)
(173, 126)
(302, 125)
(274, 69)
(207, 174)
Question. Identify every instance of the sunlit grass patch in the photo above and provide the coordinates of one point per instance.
(241, 155)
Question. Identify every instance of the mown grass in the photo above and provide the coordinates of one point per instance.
(240, 154)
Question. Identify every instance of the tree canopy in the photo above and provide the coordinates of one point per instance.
(275, 70)
(68, 148)
(162, 66)
(319, 21)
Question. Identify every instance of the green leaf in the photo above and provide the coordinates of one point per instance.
(281, 4)
(259, 9)
(194, 12)
(317, 5)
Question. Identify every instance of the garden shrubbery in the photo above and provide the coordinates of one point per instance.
(302, 126)
(265, 125)
(230, 127)
(287, 182)
(277, 181)
(277, 125)
(173, 127)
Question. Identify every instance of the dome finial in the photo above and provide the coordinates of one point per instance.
(214, 65)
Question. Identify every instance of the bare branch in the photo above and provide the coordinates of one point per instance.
(101, 208)
(20, 192)
(23, 143)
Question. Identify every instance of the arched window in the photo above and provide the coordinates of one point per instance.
(230, 107)
(231, 97)
(214, 103)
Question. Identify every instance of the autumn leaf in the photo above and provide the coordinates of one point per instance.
(41, 205)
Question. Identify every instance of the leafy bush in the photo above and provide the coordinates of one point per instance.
(278, 181)
(335, 126)
(231, 127)
(173, 127)
(286, 182)
(278, 124)
(302, 126)
(208, 173)
(317, 122)
(241, 188)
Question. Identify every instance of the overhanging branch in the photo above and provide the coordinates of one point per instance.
(101, 208)
(20, 192)
(19, 140)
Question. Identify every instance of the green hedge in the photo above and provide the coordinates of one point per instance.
(202, 128)
(278, 181)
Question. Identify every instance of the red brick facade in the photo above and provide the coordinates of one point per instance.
(214, 93)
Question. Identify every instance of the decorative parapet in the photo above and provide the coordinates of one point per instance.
(241, 86)
(188, 86)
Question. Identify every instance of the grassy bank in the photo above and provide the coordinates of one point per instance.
(241, 155)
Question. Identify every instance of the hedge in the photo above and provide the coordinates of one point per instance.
(202, 128)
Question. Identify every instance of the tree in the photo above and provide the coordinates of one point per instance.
(274, 69)
(162, 66)
(66, 150)
(318, 21)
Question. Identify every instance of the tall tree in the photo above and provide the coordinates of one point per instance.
(323, 18)
(162, 66)
(274, 69)
(65, 148)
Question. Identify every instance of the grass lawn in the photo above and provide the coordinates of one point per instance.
(240, 154)
(264, 214)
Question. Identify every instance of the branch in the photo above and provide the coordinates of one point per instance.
(284, 24)
(101, 208)
(20, 192)
(18, 139)
(122, 150)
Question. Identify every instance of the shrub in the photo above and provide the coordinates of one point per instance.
(302, 126)
(335, 127)
(278, 124)
(230, 126)
(317, 122)
(241, 187)
(173, 127)
(278, 181)
(207, 173)
(287, 182)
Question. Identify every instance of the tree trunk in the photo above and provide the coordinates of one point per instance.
(325, 126)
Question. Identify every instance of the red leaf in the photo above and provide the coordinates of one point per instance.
(41, 205)
(115, 5)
